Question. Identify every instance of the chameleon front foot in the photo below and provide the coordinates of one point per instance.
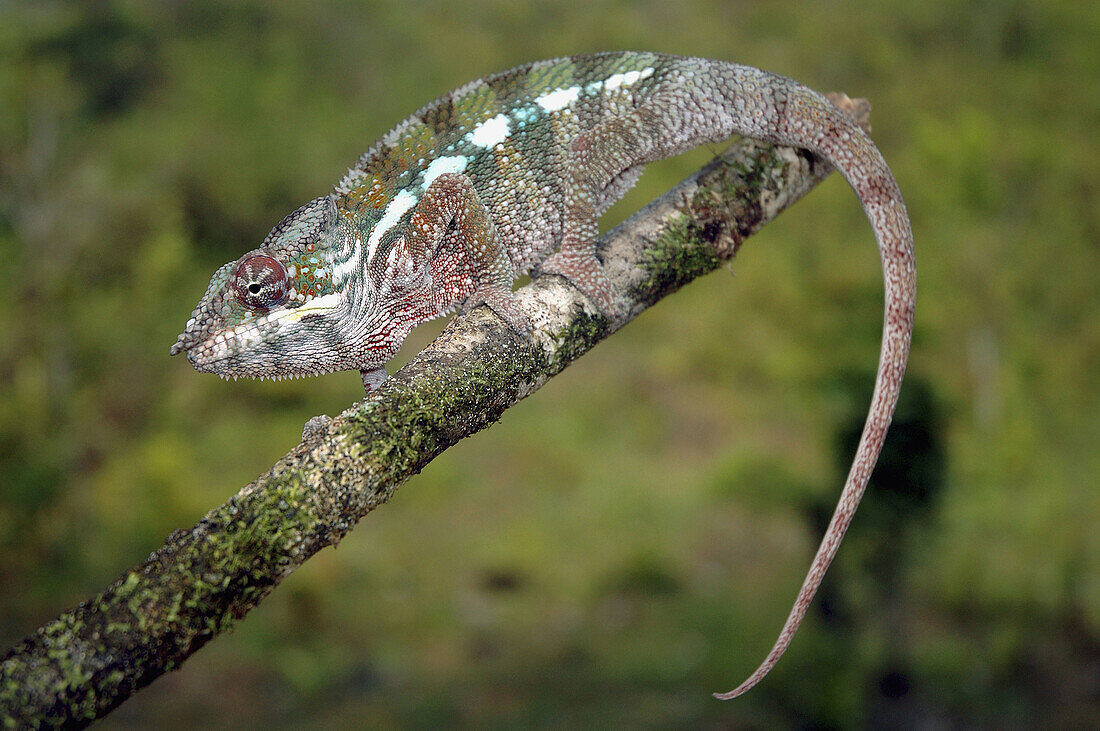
(586, 273)
(502, 301)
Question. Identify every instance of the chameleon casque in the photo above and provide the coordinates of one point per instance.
(507, 175)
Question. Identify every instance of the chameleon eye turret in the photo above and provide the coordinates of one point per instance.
(260, 282)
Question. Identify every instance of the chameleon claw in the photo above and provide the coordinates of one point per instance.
(585, 272)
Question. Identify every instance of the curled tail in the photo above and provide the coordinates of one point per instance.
(805, 119)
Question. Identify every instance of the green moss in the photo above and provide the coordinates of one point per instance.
(190, 590)
(680, 255)
(418, 419)
(724, 209)
(578, 338)
(401, 433)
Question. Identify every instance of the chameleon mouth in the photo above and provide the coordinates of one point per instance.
(204, 337)
(251, 349)
(189, 339)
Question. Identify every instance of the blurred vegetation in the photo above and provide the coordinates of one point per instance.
(630, 538)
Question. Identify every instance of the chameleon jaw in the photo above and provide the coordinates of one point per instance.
(247, 349)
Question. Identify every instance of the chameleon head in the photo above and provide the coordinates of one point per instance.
(280, 310)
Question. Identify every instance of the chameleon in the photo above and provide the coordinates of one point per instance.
(507, 176)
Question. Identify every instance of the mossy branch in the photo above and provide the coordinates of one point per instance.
(79, 666)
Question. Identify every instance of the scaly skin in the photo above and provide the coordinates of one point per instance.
(486, 182)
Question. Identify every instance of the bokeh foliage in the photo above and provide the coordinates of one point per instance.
(631, 537)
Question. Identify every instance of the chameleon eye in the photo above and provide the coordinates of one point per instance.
(260, 282)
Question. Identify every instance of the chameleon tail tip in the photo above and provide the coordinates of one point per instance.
(729, 695)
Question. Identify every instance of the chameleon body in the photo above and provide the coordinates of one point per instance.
(506, 175)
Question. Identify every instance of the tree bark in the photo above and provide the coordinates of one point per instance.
(81, 665)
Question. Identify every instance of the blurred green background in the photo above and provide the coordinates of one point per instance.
(630, 538)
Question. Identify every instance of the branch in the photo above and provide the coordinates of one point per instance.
(89, 660)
